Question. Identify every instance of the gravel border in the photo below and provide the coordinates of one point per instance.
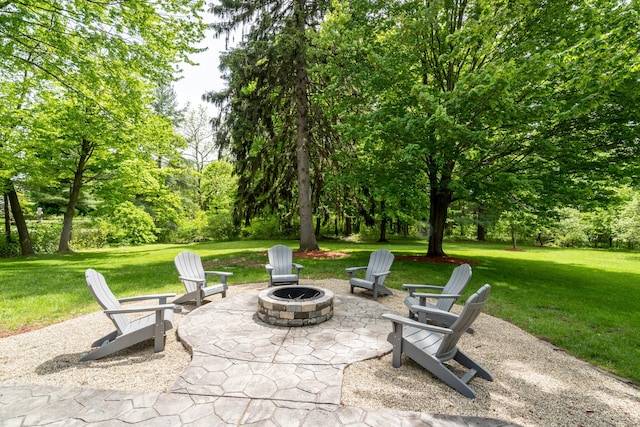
(535, 384)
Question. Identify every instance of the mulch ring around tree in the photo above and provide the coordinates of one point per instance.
(319, 254)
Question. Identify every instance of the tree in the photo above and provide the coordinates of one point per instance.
(485, 89)
(103, 54)
(201, 148)
(276, 82)
(77, 142)
(166, 105)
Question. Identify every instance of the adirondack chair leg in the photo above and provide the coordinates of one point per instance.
(453, 380)
(395, 338)
(159, 337)
(107, 338)
(468, 362)
(106, 349)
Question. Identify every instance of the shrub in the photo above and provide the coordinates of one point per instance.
(131, 225)
(8, 250)
(45, 237)
(91, 236)
(270, 228)
(220, 226)
(189, 229)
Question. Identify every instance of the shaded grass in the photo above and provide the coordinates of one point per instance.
(583, 301)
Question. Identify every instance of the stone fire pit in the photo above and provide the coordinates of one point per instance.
(295, 305)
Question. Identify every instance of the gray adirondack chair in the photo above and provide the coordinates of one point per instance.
(194, 277)
(449, 294)
(376, 272)
(128, 332)
(281, 266)
(431, 346)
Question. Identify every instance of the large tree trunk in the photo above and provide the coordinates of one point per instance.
(74, 194)
(307, 235)
(383, 224)
(7, 219)
(440, 201)
(348, 226)
(481, 234)
(23, 232)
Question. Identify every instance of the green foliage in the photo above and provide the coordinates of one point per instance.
(91, 235)
(219, 186)
(483, 100)
(131, 225)
(627, 227)
(220, 226)
(190, 229)
(76, 85)
(8, 250)
(45, 236)
(270, 227)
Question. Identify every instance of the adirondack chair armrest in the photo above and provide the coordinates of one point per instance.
(269, 268)
(425, 295)
(382, 273)
(353, 270)
(193, 279)
(395, 318)
(221, 274)
(159, 297)
(430, 310)
(298, 266)
(412, 287)
(377, 276)
(438, 316)
(140, 309)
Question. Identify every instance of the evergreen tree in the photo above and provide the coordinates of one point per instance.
(269, 111)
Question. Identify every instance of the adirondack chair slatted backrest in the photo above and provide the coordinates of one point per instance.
(103, 295)
(459, 279)
(281, 259)
(189, 264)
(470, 312)
(379, 261)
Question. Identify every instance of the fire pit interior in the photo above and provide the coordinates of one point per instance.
(298, 293)
(295, 305)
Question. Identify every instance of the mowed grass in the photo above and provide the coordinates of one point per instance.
(584, 301)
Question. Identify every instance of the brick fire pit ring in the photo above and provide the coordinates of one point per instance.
(295, 305)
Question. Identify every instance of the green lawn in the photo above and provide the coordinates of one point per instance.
(584, 301)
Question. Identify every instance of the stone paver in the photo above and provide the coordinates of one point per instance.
(243, 373)
(235, 354)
